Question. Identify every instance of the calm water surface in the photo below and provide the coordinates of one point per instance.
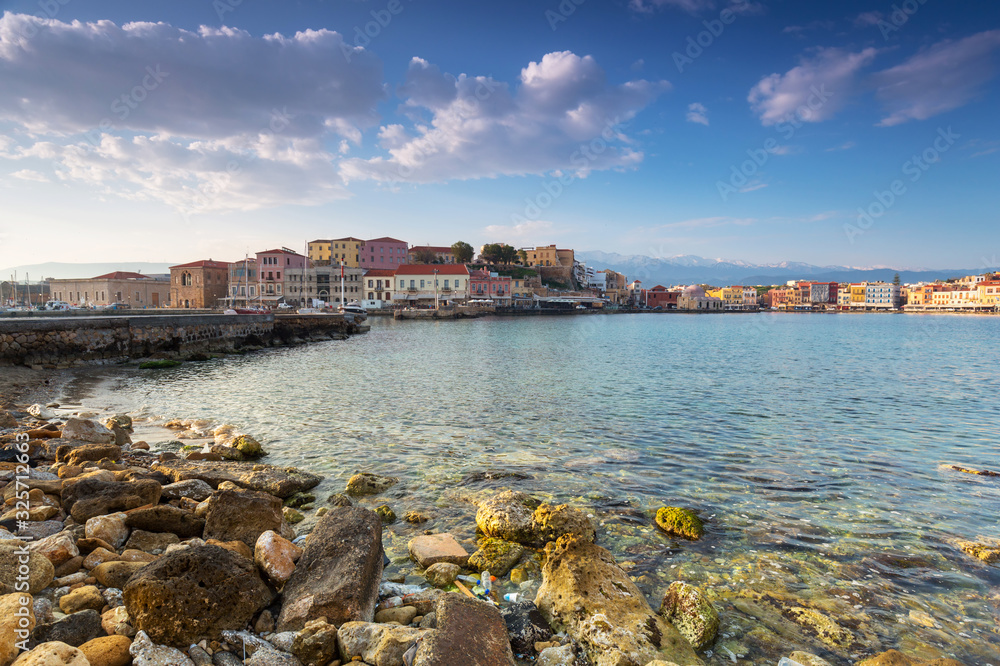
(813, 444)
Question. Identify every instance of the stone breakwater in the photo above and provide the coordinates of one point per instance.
(68, 341)
(112, 554)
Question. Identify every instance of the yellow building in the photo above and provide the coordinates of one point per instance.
(989, 292)
(549, 256)
(858, 294)
(731, 297)
(323, 252)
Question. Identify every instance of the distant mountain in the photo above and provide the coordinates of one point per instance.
(692, 269)
(62, 271)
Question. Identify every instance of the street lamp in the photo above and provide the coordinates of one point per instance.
(436, 306)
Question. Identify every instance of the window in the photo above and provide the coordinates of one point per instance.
(421, 284)
(445, 284)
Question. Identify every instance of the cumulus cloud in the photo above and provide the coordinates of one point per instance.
(813, 91)
(697, 113)
(28, 174)
(943, 77)
(213, 119)
(563, 114)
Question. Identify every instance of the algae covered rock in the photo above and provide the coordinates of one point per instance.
(552, 522)
(367, 483)
(442, 574)
(386, 513)
(508, 516)
(694, 616)
(496, 556)
(897, 658)
(249, 447)
(987, 550)
(680, 522)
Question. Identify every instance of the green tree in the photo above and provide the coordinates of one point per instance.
(895, 280)
(523, 256)
(507, 253)
(463, 252)
(492, 253)
(425, 255)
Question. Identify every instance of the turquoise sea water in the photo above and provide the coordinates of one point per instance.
(813, 445)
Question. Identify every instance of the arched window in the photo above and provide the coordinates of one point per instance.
(186, 279)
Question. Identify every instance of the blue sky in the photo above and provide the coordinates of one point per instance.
(173, 131)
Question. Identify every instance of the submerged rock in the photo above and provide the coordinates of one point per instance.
(680, 522)
(896, 658)
(987, 550)
(338, 575)
(686, 607)
(585, 593)
(367, 483)
(496, 556)
(193, 594)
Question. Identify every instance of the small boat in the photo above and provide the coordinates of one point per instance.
(354, 308)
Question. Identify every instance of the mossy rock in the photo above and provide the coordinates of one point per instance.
(157, 365)
(386, 513)
(292, 516)
(191, 447)
(694, 616)
(249, 447)
(367, 483)
(299, 500)
(680, 522)
(496, 556)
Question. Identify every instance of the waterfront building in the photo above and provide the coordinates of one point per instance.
(661, 297)
(442, 254)
(486, 285)
(427, 284)
(272, 273)
(133, 290)
(242, 291)
(383, 253)
(694, 298)
(881, 296)
(199, 284)
(317, 285)
(333, 251)
(989, 292)
(378, 287)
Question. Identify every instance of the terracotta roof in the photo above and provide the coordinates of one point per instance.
(432, 248)
(204, 263)
(294, 254)
(349, 238)
(380, 272)
(428, 269)
(385, 239)
(122, 275)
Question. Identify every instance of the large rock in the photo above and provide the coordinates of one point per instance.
(316, 643)
(194, 594)
(681, 522)
(366, 483)
(77, 455)
(897, 658)
(508, 516)
(242, 516)
(552, 522)
(40, 570)
(54, 653)
(276, 557)
(85, 430)
(379, 644)
(278, 481)
(195, 489)
(525, 627)
(95, 496)
(687, 608)
(338, 575)
(469, 633)
(587, 595)
(75, 629)
(165, 518)
(57, 548)
(430, 549)
(17, 619)
(111, 529)
(496, 556)
(108, 651)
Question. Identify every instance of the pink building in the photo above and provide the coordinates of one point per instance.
(484, 285)
(272, 266)
(382, 252)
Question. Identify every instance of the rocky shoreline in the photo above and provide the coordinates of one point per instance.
(114, 554)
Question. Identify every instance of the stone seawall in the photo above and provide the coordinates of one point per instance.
(68, 341)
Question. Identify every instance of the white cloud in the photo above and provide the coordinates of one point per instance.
(847, 145)
(814, 91)
(695, 6)
(28, 174)
(697, 113)
(867, 19)
(214, 119)
(562, 115)
(943, 77)
(523, 233)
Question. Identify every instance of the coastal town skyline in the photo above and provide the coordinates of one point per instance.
(750, 131)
